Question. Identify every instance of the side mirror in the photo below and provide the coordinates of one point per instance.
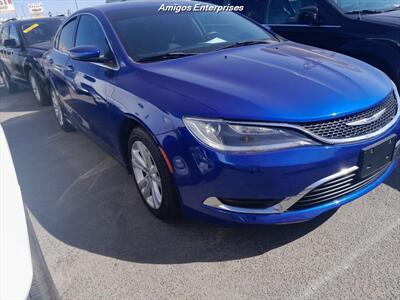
(309, 15)
(87, 53)
(10, 43)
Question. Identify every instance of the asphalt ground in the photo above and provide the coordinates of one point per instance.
(100, 242)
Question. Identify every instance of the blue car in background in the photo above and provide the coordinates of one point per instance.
(217, 116)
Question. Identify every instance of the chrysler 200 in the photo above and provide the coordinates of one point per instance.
(215, 115)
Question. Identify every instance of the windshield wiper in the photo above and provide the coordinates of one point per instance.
(165, 56)
(244, 43)
(363, 12)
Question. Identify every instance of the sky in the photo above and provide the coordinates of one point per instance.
(54, 6)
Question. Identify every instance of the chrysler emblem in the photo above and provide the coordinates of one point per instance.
(368, 120)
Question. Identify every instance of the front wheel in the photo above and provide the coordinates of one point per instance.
(59, 114)
(152, 176)
(38, 89)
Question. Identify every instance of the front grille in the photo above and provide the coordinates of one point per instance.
(335, 189)
(337, 128)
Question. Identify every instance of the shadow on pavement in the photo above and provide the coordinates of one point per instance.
(84, 198)
(19, 101)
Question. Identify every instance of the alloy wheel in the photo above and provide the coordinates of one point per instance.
(57, 108)
(35, 87)
(146, 174)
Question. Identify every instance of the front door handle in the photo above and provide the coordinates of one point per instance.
(70, 69)
(51, 61)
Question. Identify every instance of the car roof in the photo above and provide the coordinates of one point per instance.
(24, 21)
(30, 20)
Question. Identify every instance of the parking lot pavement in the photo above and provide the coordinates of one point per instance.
(100, 242)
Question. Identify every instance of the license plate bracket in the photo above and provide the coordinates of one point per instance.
(376, 156)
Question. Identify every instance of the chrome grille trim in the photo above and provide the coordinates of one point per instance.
(336, 195)
(349, 177)
(322, 193)
(295, 203)
(344, 127)
(326, 140)
(325, 192)
(282, 206)
(331, 196)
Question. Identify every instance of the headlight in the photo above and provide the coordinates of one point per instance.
(224, 136)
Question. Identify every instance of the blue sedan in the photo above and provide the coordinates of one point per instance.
(218, 117)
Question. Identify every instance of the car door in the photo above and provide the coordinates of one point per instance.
(89, 80)
(4, 57)
(292, 20)
(15, 57)
(57, 59)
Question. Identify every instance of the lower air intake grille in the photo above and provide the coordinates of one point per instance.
(335, 189)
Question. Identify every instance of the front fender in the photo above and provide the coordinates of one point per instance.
(160, 109)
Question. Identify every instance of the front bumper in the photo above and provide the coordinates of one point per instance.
(202, 174)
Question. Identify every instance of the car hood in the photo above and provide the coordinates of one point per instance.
(389, 18)
(279, 82)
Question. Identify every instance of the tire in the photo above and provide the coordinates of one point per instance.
(10, 86)
(38, 90)
(59, 113)
(159, 179)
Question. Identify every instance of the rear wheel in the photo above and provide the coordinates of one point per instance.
(152, 176)
(59, 114)
(38, 89)
(9, 85)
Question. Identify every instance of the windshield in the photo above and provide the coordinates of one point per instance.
(40, 31)
(157, 33)
(367, 5)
